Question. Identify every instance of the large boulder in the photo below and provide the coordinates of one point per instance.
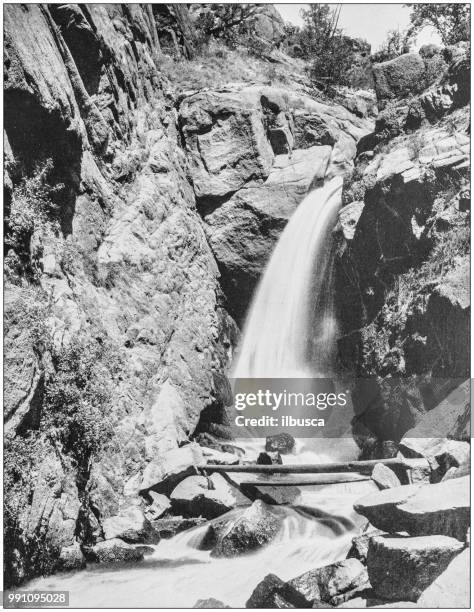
(115, 551)
(272, 592)
(400, 77)
(252, 529)
(421, 509)
(332, 584)
(452, 588)
(401, 567)
(131, 526)
(206, 496)
(164, 473)
(225, 140)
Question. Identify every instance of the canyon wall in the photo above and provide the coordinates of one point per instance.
(404, 248)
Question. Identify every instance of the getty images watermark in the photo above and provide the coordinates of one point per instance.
(304, 407)
(332, 408)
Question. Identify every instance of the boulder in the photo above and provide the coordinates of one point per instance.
(131, 526)
(399, 78)
(333, 583)
(451, 589)
(159, 505)
(166, 472)
(225, 140)
(442, 453)
(210, 603)
(402, 567)
(169, 527)
(420, 509)
(115, 551)
(282, 443)
(206, 496)
(360, 544)
(252, 529)
(384, 477)
(269, 458)
(71, 558)
(272, 592)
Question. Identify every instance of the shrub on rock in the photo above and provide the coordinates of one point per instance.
(399, 77)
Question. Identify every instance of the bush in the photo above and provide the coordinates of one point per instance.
(34, 203)
(77, 397)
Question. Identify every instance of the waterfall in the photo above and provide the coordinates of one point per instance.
(290, 331)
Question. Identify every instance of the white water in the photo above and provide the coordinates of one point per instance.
(290, 332)
(178, 574)
(291, 329)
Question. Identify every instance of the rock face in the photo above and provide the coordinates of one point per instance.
(255, 152)
(450, 589)
(126, 250)
(396, 284)
(255, 527)
(401, 568)
(420, 509)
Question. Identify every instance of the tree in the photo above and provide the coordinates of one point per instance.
(334, 58)
(226, 21)
(394, 45)
(452, 21)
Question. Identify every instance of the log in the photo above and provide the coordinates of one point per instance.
(298, 483)
(364, 467)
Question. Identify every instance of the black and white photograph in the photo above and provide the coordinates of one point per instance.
(236, 305)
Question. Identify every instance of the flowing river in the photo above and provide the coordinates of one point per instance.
(291, 331)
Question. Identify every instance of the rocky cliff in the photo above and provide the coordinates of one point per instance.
(139, 216)
(403, 286)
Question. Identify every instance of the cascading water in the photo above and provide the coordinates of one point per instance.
(290, 333)
(291, 327)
